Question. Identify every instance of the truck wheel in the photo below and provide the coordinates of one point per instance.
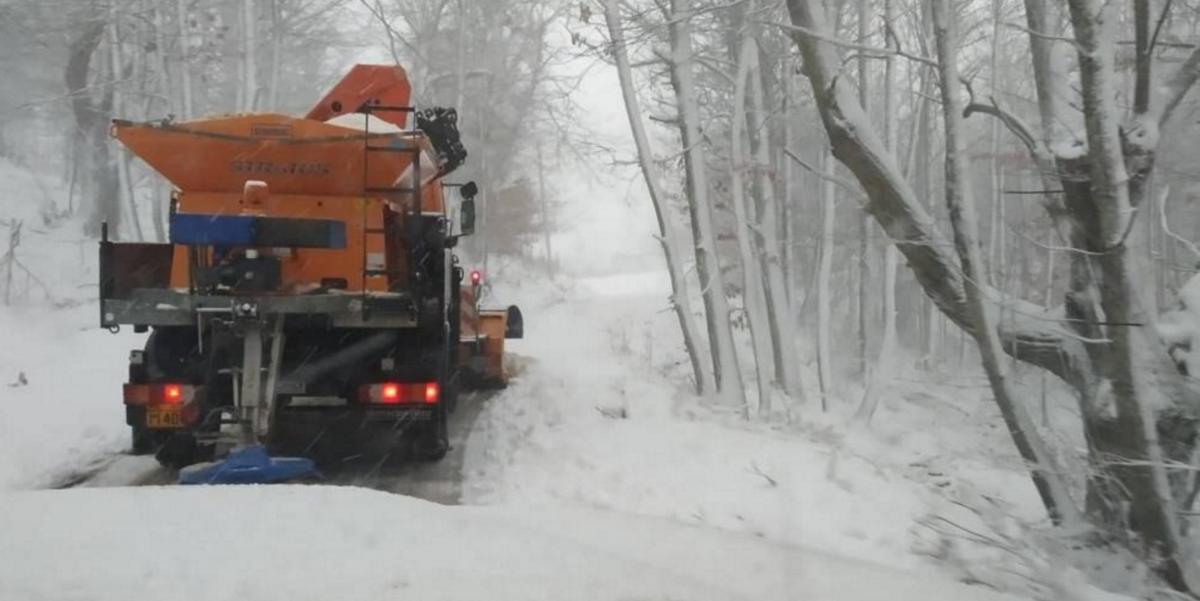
(145, 440)
(433, 442)
(450, 395)
(181, 450)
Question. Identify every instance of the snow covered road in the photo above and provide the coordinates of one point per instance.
(438, 482)
(293, 542)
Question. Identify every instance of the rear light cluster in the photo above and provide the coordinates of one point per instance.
(159, 394)
(400, 393)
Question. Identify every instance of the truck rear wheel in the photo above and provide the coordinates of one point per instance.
(144, 440)
(181, 450)
(433, 441)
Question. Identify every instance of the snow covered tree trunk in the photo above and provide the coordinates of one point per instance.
(824, 272)
(124, 187)
(162, 73)
(674, 248)
(1030, 335)
(885, 362)
(888, 345)
(185, 78)
(249, 87)
(964, 222)
(932, 336)
(460, 62)
(544, 209)
(864, 221)
(276, 56)
(995, 228)
(727, 374)
(752, 282)
(782, 331)
(788, 211)
(1130, 359)
(99, 187)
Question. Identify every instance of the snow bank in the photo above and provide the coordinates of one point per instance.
(592, 421)
(302, 542)
(68, 415)
(60, 374)
(602, 415)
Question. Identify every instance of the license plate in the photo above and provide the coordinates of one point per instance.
(164, 417)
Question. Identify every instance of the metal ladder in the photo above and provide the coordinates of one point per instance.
(414, 192)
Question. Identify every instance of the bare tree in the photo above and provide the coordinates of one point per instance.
(754, 303)
(964, 222)
(727, 373)
(1097, 346)
(673, 247)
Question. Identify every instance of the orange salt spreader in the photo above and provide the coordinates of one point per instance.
(309, 296)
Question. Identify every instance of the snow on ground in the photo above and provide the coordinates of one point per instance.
(601, 417)
(60, 374)
(68, 418)
(296, 542)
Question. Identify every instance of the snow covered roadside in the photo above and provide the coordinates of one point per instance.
(293, 542)
(600, 418)
(60, 374)
(68, 417)
(587, 424)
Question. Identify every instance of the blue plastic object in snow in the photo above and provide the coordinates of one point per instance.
(251, 465)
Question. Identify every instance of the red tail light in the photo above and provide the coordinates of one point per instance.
(400, 393)
(160, 394)
(390, 393)
(476, 277)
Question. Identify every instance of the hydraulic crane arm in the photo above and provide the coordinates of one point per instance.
(376, 85)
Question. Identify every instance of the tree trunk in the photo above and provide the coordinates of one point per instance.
(754, 304)
(163, 81)
(673, 247)
(101, 189)
(885, 363)
(544, 208)
(964, 222)
(1129, 364)
(276, 55)
(185, 78)
(249, 57)
(782, 331)
(124, 188)
(720, 333)
(864, 221)
(824, 271)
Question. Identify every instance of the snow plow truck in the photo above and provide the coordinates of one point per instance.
(309, 299)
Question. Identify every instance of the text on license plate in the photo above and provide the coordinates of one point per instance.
(164, 417)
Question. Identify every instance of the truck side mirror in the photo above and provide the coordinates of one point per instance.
(466, 217)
